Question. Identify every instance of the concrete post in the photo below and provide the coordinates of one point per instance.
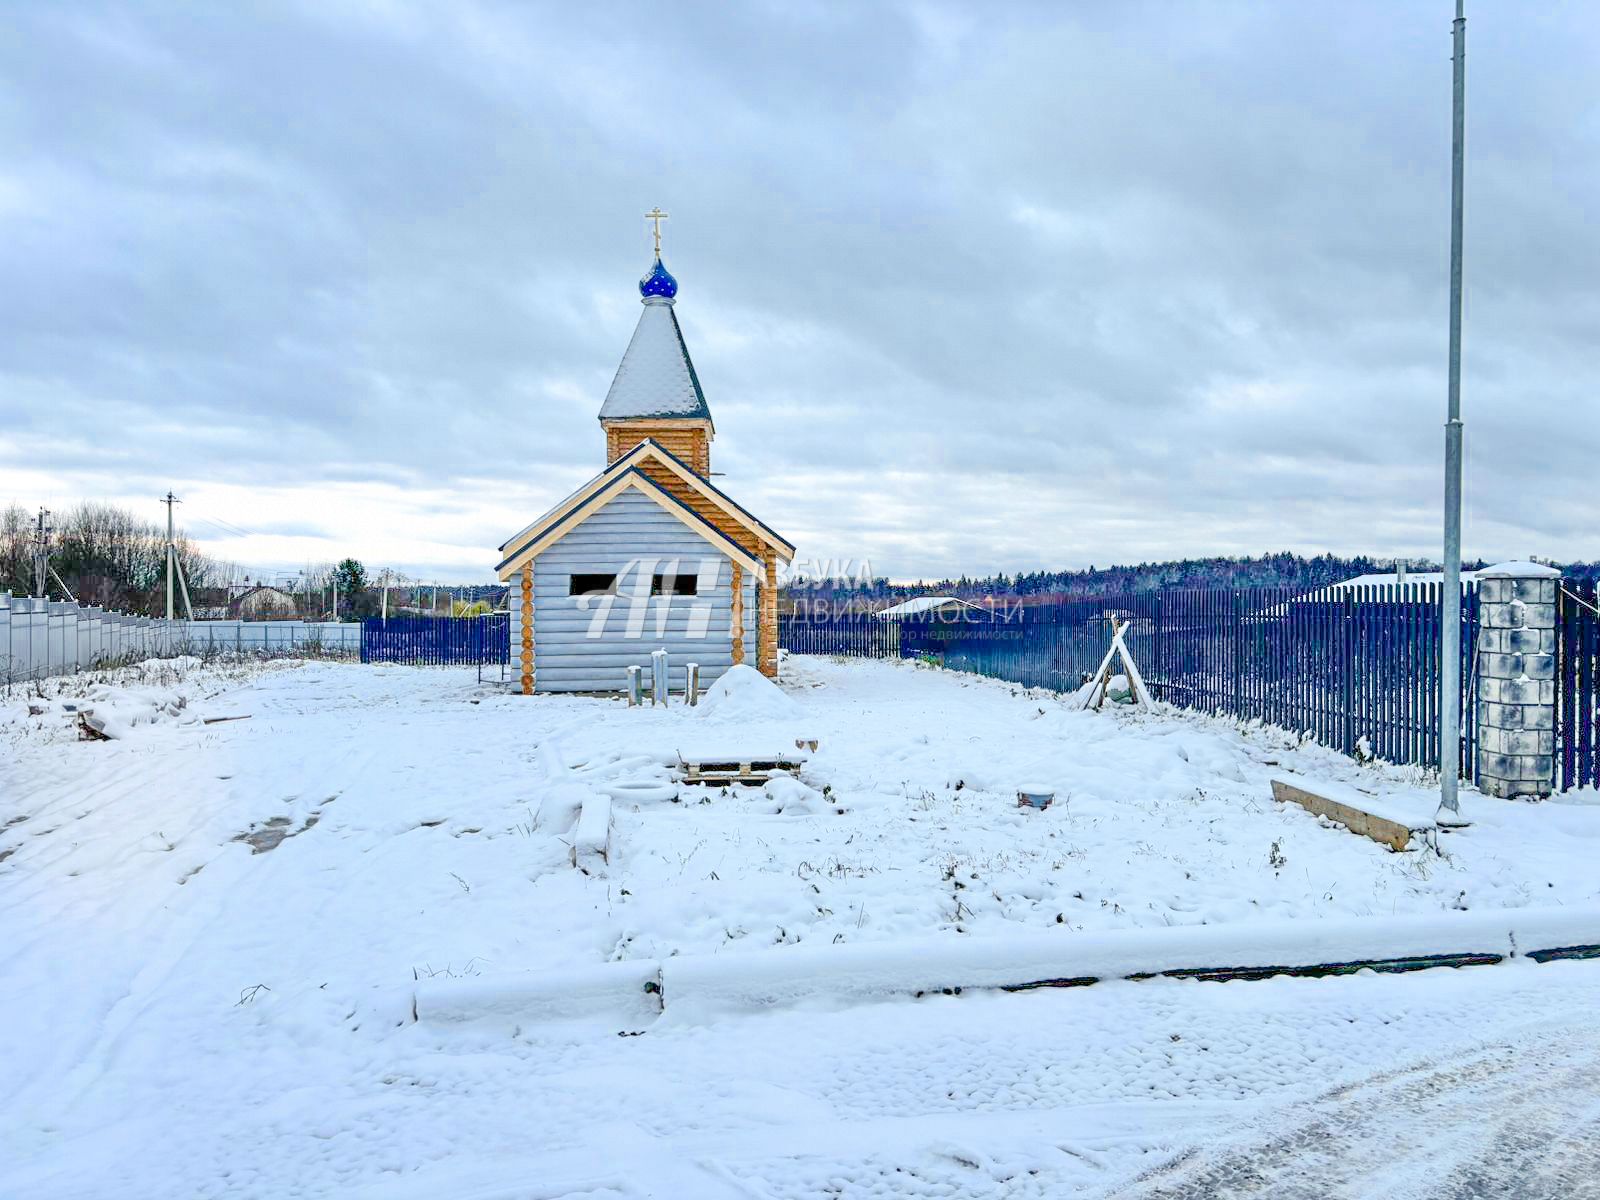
(1516, 679)
(658, 676)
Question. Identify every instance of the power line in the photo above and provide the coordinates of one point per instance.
(228, 526)
(215, 525)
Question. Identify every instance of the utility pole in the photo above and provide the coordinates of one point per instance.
(174, 567)
(41, 553)
(169, 502)
(1450, 670)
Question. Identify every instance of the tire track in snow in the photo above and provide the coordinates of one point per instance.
(228, 899)
(1511, 1118)
(229, 895)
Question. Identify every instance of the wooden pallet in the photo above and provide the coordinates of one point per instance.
(753, 769)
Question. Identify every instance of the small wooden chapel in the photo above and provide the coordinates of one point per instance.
(649, 553)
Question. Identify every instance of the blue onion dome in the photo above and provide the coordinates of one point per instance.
(659, 282)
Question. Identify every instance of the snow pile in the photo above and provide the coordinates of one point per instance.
(591, 836)
(560, 803)
(119, 699)
(1118, 691)
(114, 712)
(744, 693)
(790, 797)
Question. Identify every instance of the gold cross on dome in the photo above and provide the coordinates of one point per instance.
(657, 216)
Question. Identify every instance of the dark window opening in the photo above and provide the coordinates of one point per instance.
(591, 585)
(660, 585)
(676, 585)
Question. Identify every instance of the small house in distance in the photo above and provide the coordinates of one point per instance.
(947, 607)
(649, 553)
(263, 603)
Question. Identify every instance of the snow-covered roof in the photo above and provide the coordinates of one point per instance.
(1519, 570)
(1334, 591)
(657, 377)
(922, 604)
(1389, 578)
(1381, 579)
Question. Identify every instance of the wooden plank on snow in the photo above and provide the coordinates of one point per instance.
(1354, 811)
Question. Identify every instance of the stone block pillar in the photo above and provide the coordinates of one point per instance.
(1516, 679)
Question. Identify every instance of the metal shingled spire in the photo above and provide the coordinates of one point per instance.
(656, 377)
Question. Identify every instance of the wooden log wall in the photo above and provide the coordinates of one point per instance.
(527, 630)
(688, 441)
(737, 632)
(767, 634)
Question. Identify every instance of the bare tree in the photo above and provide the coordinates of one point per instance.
(105, 554)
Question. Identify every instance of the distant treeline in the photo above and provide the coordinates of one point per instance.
(104, 554)
(1269, 570)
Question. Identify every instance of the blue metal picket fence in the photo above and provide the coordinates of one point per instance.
(858, 636)
(437, 641)
(1348, 666)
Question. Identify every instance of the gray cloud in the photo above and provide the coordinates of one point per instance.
(1018, 286)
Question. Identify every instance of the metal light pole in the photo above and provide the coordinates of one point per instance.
(1450, 672)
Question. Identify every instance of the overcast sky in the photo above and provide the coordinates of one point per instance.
(969, 287)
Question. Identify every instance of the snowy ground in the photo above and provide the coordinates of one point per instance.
(211, 932)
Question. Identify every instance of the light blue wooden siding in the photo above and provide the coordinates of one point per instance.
(587, 645)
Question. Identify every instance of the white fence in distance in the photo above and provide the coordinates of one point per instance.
(39, 638)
